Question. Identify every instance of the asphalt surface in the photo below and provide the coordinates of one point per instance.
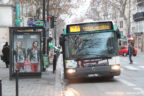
(129, 83)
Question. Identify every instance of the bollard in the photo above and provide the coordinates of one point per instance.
(54, 62)
(0, 88)
(17, 82)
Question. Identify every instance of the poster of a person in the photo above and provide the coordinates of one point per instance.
(20, 56)
(33, 55)
(26, 54)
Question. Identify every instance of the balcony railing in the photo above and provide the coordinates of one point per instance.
(140, 2)
(138, 16)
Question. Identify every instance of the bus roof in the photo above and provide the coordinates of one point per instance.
(88, 21)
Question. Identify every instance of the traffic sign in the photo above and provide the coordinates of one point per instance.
(128, 35)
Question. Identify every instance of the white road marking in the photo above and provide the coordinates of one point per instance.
(141, 66)
(137, 91)
(58, 78)
(126, 82)
(123, 60)
(131, 68)
(114, 93)
(140, 90)
(134, 62)
(121, 93)
(121, 69)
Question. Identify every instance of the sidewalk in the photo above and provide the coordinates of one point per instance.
(43, 86)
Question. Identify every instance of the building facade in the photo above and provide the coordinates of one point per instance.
(6, 22)
(138, 18)
(126, 24)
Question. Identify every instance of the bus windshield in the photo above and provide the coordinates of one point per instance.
(92, 45)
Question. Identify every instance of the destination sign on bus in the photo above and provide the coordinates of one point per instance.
(85, 27)
(74, 28)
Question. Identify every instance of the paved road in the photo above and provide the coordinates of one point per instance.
(129, 83)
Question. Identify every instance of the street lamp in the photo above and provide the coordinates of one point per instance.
(44, 33)
(129, 25)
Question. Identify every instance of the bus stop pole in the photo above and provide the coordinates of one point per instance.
(17, 83)
(0, 88)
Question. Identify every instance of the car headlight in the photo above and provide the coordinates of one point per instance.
(115, 67)
(71, 71)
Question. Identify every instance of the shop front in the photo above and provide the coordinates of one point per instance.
(139, 41)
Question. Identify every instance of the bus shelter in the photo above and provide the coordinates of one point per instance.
(25, 51)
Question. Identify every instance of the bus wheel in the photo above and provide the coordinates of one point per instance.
(124, 54)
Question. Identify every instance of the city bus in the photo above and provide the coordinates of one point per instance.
(90, 50)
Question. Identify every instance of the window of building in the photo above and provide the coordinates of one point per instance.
(121, 24)
(121, 15)
(133, 29)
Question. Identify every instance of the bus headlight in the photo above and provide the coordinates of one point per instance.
(115, 67)
(71, 71)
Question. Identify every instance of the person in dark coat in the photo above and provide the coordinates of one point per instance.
(54, 62)
(6, 54)
(56, 55)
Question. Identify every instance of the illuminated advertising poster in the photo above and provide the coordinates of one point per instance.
(26, 52)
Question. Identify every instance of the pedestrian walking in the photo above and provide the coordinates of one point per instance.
(130, 52)
(56, 55)
(6, 54)
(54, 62)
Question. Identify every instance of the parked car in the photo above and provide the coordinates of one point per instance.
(123, 50)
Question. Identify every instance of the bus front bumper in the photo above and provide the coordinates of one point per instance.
(98, 71)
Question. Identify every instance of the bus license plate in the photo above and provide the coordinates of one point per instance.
(92, 75)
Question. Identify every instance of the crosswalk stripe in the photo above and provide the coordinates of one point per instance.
(126, 82)
(131, 68)
(121, 69)
(141, 66)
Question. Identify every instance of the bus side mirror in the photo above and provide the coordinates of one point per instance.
(61, 39)
(118, 34)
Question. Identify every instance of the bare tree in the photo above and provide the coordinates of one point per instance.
(115, 8)
(62, 7)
